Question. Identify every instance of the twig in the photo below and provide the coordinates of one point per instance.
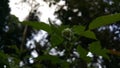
(23, 38)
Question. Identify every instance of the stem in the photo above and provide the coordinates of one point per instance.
(23, 38)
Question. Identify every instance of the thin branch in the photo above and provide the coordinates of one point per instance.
(23, 38)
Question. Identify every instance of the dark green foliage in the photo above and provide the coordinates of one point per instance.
(11, 36)
(80, 33)
(37, 25)
(91, 9)
(104, 20)
(70, 40)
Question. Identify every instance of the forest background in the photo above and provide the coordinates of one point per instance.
(87, 27)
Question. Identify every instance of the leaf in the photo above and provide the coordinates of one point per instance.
(96, 48)
(56, 39)
(89, 34)
(3, 59)
(80, 30)
(83, 53)
(53, 59)
(104, 20)
(38, 25)
(65, 64)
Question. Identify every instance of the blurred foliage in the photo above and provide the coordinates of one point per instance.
(70, 41)
(88, 26)
(85, 13)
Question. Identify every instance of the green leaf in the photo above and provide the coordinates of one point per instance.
(89, 34)
(83, 53)
(3, 59)
(38, 25)
(65, 64)
(80, 30)
(53, 59)
(56, 39)
(104, 20)
(96, 48)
